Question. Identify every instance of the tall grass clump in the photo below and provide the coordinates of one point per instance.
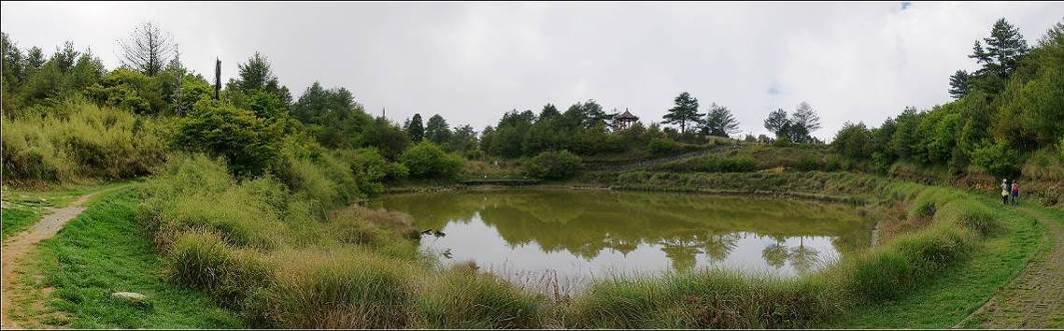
(708, 299)
(340, 288)
(202, 260)
(197, 193)
(465, 299)
(77, 141)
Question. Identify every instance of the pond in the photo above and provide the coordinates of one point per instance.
(566, 238)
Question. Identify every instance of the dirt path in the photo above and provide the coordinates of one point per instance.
(1035, 298)
(18, 245)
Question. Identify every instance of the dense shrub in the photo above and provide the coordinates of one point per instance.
(553, 165)
(371, 168)
(129, 89)
(77, 140)
(998, 159)
(249, 144)
(427, 160)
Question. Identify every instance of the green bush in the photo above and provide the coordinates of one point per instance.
(249, 144)
(371, 168)
(129, 89)
(553, 165)
(998, 159)
(427, 160)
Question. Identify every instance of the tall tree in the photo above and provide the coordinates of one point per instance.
(549, 111)
(1055, 36)
(463, 139)
(257, 74)
(685, 112)
(148, 49)
(958, 84)
(778, 123)
(415, 128)
(594, 115)
(437, 130)
(720, 122)
(1004, 48)
(34, 59)
(805, 120)
(14, 70)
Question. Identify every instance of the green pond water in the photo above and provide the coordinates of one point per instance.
(570, 237)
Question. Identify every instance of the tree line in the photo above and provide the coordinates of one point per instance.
(1008, 109)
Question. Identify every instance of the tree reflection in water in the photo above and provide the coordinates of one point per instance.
(583, 232)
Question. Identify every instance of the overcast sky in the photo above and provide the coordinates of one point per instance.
(470, 62)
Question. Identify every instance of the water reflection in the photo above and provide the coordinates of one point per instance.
(579, 235)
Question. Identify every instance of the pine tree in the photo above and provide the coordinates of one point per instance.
(778, 123)
(1055, 36)
(1003, 51)
(804, 121)
(958, 84)
(685, 112)
(415, 128)
(437, 130)
(594, 115)
(720, 122)
(549, 111)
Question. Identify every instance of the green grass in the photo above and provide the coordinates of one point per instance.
(16, 219)
(23, 208)
(105, 250)
(953, 295)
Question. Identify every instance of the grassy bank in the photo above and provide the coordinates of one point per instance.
(278, 259)
(102, 251)
(953, 295)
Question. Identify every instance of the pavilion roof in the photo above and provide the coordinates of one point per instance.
(627, 115)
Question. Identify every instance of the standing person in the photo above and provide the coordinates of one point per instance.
(1015, 193)
(1005, 191)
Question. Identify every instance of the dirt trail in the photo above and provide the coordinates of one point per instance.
(1035, 298)
(18, 245)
